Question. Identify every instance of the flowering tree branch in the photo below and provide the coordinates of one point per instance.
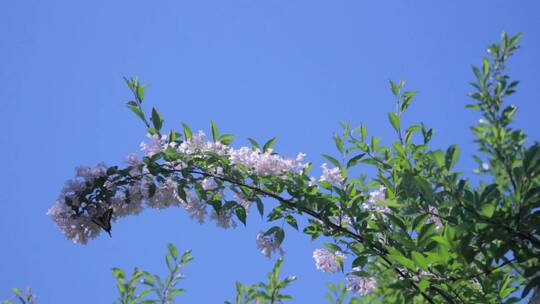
(413, 217)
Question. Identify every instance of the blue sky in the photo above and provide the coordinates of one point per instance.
(290, 69)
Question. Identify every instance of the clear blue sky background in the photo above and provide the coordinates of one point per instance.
(292, 69)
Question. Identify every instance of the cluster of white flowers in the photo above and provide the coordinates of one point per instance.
(223, 219)
(81, 227)
(435, 218)
(261, 163)
(268, 245)
(157, 144)
(209, 184)
(78, 228)
(198, 144)
(129, 198)
(327, 261)
(373, 203)
(266, 163)
(332, 176)
(360, 285)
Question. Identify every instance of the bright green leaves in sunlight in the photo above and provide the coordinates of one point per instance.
(25, 296)
(269, 292)
(142, 287)
(400, 224)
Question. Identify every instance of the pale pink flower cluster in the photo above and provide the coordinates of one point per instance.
(127, 201)
(77, 228)
(198, 144)
(261, 163)
(268, 245)
(166, 195)
(373, 203)
(224, 219)
(130, 202)
(332, 176)
(156, 144)
(360, 285)
(266, 163)
(434, 218)
(327, 261)
(129, 198)
(242, 199)
(209, 184)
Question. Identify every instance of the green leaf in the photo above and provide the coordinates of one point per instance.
(334, 161)
(135, 108)
(360, 261)
(254, 143)
(157, 120)
(240, 212)
(168, 261)
(395, 88)
(441, 240)
(394, 120)
(260, 207)
(485, 66)
(407, 98)
(291, 221)
(140, 92)
(268, 145)
(423, 285)
(438, 157)
(339, 143)
(419, 259)
(226, 139)
(187, 131)
(173, 250)
(452, 155)
(487, 209)
(215, 133)
(118, 273)
(363, 132)
(355, 160)
(401, 259)
(176, 292)
(151, 189)
(280, 235)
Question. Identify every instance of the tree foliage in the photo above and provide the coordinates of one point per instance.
(421, 230)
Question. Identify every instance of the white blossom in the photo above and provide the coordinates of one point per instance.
(156, 145)
(223, 219)
(79, 229)
(129, 197)
(199, 144)
(243, 200)
(332, 176)
(123, 205)
(268, 245)
(266, 163)
(195, 207)
(327, 261)
(166, 195)
(435, 218)
(360, 285)
(209, 184)
(373, 202)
